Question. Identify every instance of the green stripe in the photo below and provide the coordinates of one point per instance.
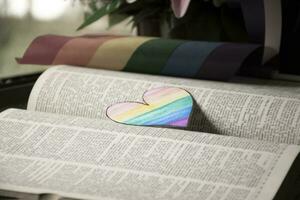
(152, 56)
(183, 102)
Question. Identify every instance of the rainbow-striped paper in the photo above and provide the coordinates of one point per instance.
(165, 106)
(192, 59)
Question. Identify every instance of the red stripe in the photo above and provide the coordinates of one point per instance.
(43, 49)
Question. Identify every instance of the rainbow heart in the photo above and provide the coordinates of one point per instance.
(165, 106)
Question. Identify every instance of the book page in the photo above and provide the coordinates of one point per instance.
(97, 159)
(253, 109)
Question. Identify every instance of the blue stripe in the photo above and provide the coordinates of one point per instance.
(187, 58)
(161, 111)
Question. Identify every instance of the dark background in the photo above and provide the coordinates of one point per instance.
(290, 48)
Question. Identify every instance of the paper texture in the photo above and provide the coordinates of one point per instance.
(163, 106)
(197, 59)
(252, 110)
(98, 159)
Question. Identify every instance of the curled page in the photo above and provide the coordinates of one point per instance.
(265, 26)
(191, 59)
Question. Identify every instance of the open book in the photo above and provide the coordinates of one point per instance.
(243, 141)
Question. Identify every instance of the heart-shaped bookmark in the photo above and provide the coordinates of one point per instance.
(165, 107)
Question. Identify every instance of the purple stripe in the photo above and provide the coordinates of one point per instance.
(182, 122)
(225, 61)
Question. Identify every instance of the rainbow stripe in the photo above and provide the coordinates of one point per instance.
(192, 59)
(166, 106)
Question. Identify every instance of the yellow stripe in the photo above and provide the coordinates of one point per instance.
(114, 54)
(142, 108)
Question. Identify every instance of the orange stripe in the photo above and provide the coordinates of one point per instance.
(79, 51)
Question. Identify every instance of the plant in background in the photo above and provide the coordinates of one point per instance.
(188, 19)
(119, 10)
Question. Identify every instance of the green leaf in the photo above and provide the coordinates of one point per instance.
(105, 10)
(131, 8)
(114, 19)
(86, 15)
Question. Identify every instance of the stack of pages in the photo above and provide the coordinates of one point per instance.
(244, 140)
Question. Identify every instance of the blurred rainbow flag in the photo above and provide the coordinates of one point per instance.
(191, 59)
